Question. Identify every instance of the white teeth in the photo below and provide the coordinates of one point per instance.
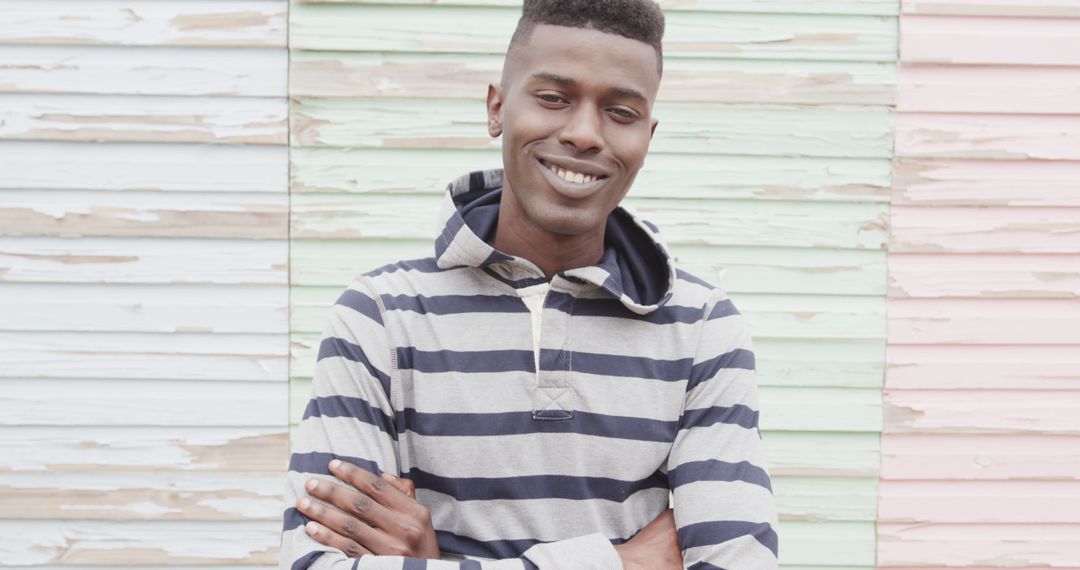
(571, 176)
(579, 178)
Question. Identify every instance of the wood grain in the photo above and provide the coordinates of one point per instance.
(984, 40)
(1042, 8)
(992, 182)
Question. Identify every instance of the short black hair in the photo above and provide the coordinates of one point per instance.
(640, 20)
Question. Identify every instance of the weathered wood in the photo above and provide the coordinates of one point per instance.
(991, 367)
(121, 543)
(963, 458)
(1047, 8)
(145, 496)
(1020, 89)
(727, 222)
(828, 454)
(91, 449)
(985, 230)
(127, 118)
(996, 137)
(235, 23)
(982, 411)
(978, 546)
(188, 356)
(985, 276)
(119, 70)
(980, 40)
(466, 76)
(842, 132)
(136, 166)
(830, 545)
(958, 182)
(997, 502)
(866, 7)
(985, 321)
(143, 214)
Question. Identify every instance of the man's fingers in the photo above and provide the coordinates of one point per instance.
(351, 501)
(375, 487)
(328, 537)
(404, 485)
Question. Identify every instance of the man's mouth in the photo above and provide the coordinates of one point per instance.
(571, 176)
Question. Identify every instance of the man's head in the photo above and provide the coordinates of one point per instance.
(575, 109)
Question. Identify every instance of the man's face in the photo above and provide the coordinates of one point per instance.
(575, 113)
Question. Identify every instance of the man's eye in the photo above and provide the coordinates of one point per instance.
(624, 113)
(549, 98)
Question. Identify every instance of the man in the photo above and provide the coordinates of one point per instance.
(531, 394)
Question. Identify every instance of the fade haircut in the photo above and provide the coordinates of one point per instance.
(639, 20)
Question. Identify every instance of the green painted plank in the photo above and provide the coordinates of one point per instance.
(751, 130)
(825, 179)
(866, 7)
(735, 35)
(466, 76)
(836, 543)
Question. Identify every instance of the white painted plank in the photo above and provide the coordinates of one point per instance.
(122, 70)
(144, 214)
(868, 7)
(143, 260)
(133, 118)
(231, 23)
(160, 166)
(144, 356)
(144, 308)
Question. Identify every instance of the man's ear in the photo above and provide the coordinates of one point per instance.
(494, 109)
(652, 131)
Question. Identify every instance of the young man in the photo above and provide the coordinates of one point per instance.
(543, 382)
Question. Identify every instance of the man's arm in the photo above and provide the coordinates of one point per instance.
(724, 507)
(350, 418)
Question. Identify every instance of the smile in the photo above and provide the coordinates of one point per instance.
(571, 176)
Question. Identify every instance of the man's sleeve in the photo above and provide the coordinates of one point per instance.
(724, 506)
(349, 417)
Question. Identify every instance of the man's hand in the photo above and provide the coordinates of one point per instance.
(655, 547)
(376, 515)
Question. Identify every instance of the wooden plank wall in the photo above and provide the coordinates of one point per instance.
(769, 173)
(143, 282)
(981, 452)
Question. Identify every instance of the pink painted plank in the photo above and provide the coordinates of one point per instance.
(983, 40)
(979, 502)
(985, 230)
(1046, 8)
(988, 89)
(982, 411)
(999, 137)
(959, 182)
(945, 367)
(985, 321)
(916, 275)
(979, 457)
(974, 546)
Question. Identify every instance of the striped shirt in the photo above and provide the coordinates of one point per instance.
(541, 421)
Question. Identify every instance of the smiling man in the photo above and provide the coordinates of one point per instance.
(529, 397)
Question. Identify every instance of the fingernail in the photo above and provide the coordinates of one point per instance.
(335, 464)
(311, 484)
(305, 503)
(312, 528)
(390, 476)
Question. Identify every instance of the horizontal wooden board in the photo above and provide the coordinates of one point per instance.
(990, 41)
(997, 502)
(377, 170)
(982, 411)
(138, 356)
(821, 499)
(1037, 90)
(826, 545)
(143, 260)
(160, 166)
(1045, 8)
(867, 7)
(964, 458)
(993, 137)
(687, 34)
(90, 449)
(231, 23)
(959, 182)
(122, 543)
(985, 321)
(1010, 367)
(690, 222)
(985, 230)
(144, 308)
(753, 130)
(978, 546)
(144, 214)
(149, 496)
(132, 118)
(122, 70)
(827, 454)
(101, 402)
(1029, 276)
(466, 76)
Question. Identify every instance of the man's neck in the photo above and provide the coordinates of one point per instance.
(516, 235)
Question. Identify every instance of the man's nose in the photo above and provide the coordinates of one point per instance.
(583, 129)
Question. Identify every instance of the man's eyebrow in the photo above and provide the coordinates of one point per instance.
(624, 92)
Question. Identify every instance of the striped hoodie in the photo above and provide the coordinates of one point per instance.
(542, 422)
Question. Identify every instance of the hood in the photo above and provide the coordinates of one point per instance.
(636, 268)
